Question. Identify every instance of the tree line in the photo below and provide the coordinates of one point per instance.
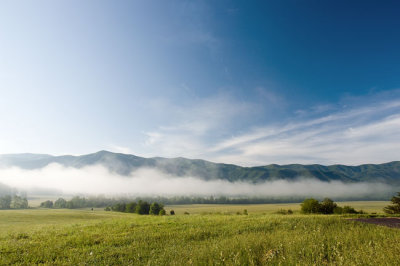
(81, 202)
(13, 202)
(101, 201)
(141, 207)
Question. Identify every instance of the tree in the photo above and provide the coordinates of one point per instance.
(78, 202)
(5, 202)
(46, 204)
(19, 203)
(395, 207)
(310, 206)
(142, 207)
(155, 208)
(60, 203)
(130, 207)
(327, 206)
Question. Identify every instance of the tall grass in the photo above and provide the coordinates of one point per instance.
(78, 237)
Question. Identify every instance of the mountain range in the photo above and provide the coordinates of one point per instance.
(124, 164)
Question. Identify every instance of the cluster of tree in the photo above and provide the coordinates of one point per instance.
(394, 208)
(13, 202)
(81, 202)
(141, 207)
(327, 206)
(101, 201)
(182, 200)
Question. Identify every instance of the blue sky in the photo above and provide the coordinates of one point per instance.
(228, 81)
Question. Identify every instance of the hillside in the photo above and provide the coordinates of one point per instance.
(125, 163)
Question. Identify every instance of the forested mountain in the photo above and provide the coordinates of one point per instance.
(124, 164)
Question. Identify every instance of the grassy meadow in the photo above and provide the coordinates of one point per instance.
(208, 235)
(367, 206)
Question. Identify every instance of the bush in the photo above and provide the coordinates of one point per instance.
(162, 212)
(245, 212)
(107, 209)
(310, 206)
(338, 210)
(282, 211)
(327, 206)
(350, 210)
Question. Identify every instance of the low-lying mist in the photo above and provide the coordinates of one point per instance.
(97, 179)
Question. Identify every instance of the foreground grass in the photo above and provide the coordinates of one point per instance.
(81, 236)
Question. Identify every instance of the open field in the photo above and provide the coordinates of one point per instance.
(368, 206)
(97, 237)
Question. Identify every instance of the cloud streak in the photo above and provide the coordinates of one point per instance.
(349, 133)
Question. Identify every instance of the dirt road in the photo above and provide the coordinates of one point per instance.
(390, 222)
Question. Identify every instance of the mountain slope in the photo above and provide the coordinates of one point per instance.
(125, 163)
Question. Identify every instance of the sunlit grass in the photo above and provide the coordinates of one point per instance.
(367, 206)
(97, 237)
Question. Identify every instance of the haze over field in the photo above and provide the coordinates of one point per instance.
(128, 175)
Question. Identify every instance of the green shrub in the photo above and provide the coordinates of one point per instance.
(350, 210)
(338, 210)
(327, 206)
(310, 206)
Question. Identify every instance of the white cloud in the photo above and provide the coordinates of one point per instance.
(149, 182)
(360, 135)
(223, 129)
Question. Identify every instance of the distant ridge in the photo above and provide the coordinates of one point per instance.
(124, 164)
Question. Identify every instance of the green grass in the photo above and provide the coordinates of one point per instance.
(368, 206)
(41, 236)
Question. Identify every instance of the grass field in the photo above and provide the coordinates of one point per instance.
(41, 236)
(368, 206)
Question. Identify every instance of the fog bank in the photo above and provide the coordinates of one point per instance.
(149, 182)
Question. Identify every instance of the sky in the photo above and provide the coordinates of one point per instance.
(249, 83)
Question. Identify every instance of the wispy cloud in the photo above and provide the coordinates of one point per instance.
(194, 126)
(222, 129)
(364, 134)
